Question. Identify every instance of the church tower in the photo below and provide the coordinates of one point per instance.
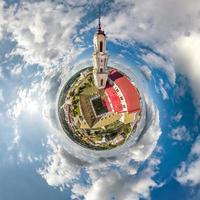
(100, 58)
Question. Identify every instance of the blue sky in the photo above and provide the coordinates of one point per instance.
(43, 43)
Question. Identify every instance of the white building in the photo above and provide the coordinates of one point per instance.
(100, 58)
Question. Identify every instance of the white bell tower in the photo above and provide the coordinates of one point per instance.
(100, 58)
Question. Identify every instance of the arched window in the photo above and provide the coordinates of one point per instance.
(101, 70)
(101, 46)
(101, 82)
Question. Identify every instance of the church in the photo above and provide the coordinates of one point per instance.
(100, 58)
(121, 99)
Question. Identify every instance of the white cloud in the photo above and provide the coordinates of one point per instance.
(22, 103)
(188, 61)
(180, 88)
(16, 138)
(146, 71)
(120, 185)
(178, 116)
(78, 191)
(145, 146)
(61, 167)
(75, 3)
(2, 19)
(158, 62)
(44, 31)
(150, 21)
(33, 98)
(1, 96)
(114, 185)
(163, 90)
(180, 134)
(17, 69)
(188, 172)
(1, 73)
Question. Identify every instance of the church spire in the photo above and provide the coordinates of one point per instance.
(99, 27)
(99, 31)
(100, 57)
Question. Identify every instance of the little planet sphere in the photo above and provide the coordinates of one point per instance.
(99, 107)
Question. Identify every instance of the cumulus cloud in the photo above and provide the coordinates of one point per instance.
(188, 172)
(162, 89)
(188, 61)
(117, 186)
(178, 116)
(146, 71)
(180, 134)
(39, 95)
(17, 69)
(16, 138)
(180, 88)
(61, 167)
(1, 96)
(145, 146)
(152, 21)
(158, 62)
(120, 185)
(25, 102)
(2, 19)
(1, 74)
(75, 3)
(44, 31)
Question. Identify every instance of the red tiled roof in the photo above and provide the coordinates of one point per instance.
(128, 90)
(114, 75)
(114, 98)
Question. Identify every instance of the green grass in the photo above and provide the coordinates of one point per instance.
(98, 106)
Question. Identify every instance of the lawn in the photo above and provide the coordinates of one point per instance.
(98, 106)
